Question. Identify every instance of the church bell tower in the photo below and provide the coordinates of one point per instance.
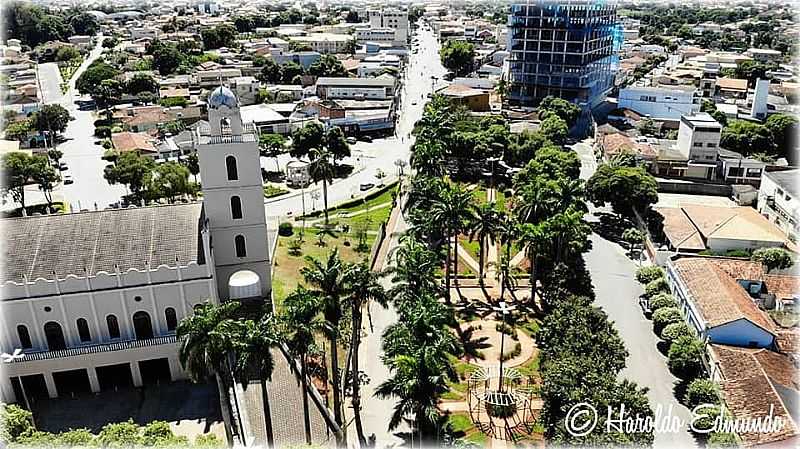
(233, 200)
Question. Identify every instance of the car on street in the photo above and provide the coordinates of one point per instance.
(63, 166)
(68, 179)
(351, 140)
(365, 138)
(366, 186)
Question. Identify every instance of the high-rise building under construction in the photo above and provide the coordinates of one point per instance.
(564, 48)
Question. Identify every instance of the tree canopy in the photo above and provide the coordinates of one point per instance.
(458, 56)
(625, 188)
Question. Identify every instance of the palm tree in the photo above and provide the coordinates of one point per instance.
(484, 225)
(452, 210)
(414, 270)
(322, 168)
(205, 341)
(301, 320)
(416, 350)
(532, 237)
(502, 90)
(363, 286)
(252, 346)
(328, 282)
(508, 234)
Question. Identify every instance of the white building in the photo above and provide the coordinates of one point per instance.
(698, 141)
(379, 88)
(379, 35)
(660, 103)
(324, 42)
(96, 305)
(779, 200)
(395, 19)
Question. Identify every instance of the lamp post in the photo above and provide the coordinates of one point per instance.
(503, 310)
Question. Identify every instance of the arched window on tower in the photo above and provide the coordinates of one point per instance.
(241, 248)
(83, 330)
(233, 172)
(113, 326)
(236, 207)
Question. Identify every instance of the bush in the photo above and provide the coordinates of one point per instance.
(684, 356)
(705, 418)
(209, 441)
(672, 332)
(107, 144)
(721, 439)
(665, 316)
(37, 438)
(285, 229)
(102, 132)
(124, 434)
(661, 301)
(75, 437)
(102, 122)
(16, 421)
(701, 391)
(655, 287)
(645, 275)
(506, 329)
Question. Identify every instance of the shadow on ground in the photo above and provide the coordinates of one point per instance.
(180, 402)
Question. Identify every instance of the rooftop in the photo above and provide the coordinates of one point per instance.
(786, 179)
(67, 244)
(366, 82)
(703, 119)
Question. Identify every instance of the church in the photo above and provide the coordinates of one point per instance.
(91, 301)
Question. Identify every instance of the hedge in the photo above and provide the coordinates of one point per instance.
(701, 391)
(664, 317)
(685, 357)
(661, 301)
(655, 287)
(672, 332)
(646, 275)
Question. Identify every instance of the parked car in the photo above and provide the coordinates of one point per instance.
(63, 166)
(351, 140)
(68, 179)
(366, 186)
(365, 138)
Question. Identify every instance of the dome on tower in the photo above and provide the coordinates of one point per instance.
(222, 96)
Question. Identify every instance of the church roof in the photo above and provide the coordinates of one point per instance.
(222, 96)
(97, 241)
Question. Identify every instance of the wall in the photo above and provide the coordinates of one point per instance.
(694, 188)
(667, 104)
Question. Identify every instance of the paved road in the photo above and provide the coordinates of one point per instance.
(50, 82)
(617, 292)
(82, 154)
(377, 412)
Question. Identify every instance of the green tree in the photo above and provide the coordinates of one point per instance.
(17, 172)
(220, 36)
(45, 176)
(452, 211)
(167, 58)
(328, 281)
(253, 343)
(18, 130)
(141, 82)
(327, 65)
(270, 72)
(301, 320)
(773, 258)
(633, 237)
(684, 357)
(312, 135)
(661, 301)
(554, 128)
(363, 287)
(97, 72)
(206, 338)
(16, 421)
(322, 169)
(84, 23)
(647, 127)
(159, 433)
(193, 165)
(272, 145)
(120, 435)
(665, 316)
(747, 138)
(168, 180)
(132, 170)
(626, 188)
(336, 143)
(67, 53)
(458, 56)
(784, 129)
(650, 273)
(51, 120)
(562, 108)
(484, 225)
(701, 391)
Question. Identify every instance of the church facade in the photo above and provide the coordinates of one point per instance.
(91, 301)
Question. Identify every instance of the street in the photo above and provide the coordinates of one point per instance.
(617, 292)
(50, 82)
(377, 412)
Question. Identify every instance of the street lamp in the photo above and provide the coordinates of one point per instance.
(503, 310)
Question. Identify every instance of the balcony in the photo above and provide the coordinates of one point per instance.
(95, 349)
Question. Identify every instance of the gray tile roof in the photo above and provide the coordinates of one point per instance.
(96, 241)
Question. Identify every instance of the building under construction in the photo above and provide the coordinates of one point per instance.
(564, 48)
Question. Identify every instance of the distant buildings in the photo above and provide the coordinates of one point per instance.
(562, 48)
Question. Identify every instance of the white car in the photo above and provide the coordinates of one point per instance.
(68, 179)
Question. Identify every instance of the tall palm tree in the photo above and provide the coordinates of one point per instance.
(532, 236)
(508, 231)
(416, 350)
(363, 286)
(301, 320)
(205, 341)
(452, 210)
(328, 282)
(485, 224)
(322, 168)
(414, 270)
(252, 347)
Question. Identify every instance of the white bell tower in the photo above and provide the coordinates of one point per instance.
(233, 200)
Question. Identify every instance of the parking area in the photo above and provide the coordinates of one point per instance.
(191, 409)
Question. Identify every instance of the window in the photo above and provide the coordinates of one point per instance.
(698, 144)
(142, 325)
(172, 319)
(753, 172)
(113, 326)
(83, 330)
(736, 171)
(24, 337)
(236, 207)
(233, 172)
(711, 144)
(241, 249)
(54, 336)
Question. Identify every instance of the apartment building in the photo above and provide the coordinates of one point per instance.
(779, 200)
(396, 19)
(324, 42)
(698, 141)
(562, 48)
(660, 103)
(379, 88)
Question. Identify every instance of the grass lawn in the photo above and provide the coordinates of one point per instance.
(384, 197)
(286, 270)
(462, 427)
(472, 247)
